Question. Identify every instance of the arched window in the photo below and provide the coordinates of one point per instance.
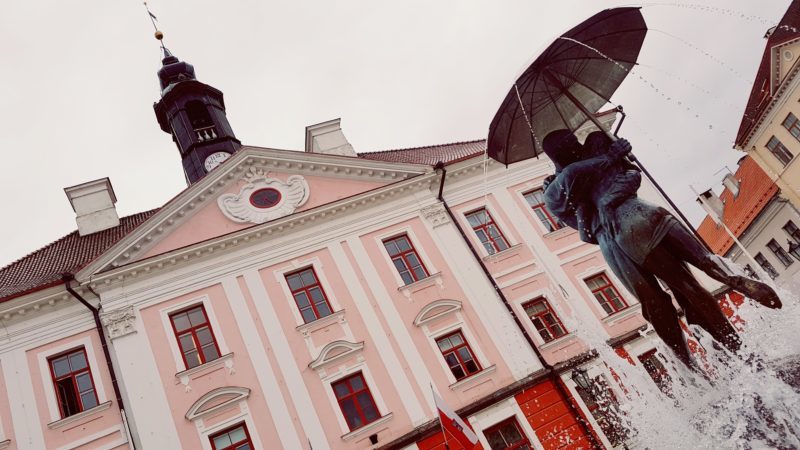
(198, 115)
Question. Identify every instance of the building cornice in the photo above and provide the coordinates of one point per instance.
(778, 100)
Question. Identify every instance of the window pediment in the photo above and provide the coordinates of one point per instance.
(215, 400)
(435, 310)
(335, 351)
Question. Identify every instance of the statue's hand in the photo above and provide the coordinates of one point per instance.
(620, 148)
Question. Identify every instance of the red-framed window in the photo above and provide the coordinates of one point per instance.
(195, 336)
(308, 294)
(458, 355)
(606, 293)
(73, 382)
(507, 435)
(405, 259)
(234, 438)
(535, 199)
(657, 371)
(544, 319)
(490, 236)
(355, 400)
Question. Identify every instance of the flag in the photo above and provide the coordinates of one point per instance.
(454, 426)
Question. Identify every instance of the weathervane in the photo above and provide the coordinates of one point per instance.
(153, 19)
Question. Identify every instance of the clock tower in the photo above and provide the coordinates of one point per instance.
(194, 114)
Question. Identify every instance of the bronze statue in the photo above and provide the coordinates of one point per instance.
(594, 191)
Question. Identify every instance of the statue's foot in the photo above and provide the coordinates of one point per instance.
(756, 290)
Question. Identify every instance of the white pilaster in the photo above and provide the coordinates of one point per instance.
(22, 400)
(287, 433)
(378, 336)
(286, 362)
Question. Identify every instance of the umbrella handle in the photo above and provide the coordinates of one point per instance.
(622, 119)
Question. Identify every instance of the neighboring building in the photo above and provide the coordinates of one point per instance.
(291, 299)
(770, 130)
(754, 210)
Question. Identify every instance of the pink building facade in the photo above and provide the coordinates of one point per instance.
(297, 300)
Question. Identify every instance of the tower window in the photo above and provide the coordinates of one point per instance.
(198, 114)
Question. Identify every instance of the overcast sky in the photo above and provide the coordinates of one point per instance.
(79, 80)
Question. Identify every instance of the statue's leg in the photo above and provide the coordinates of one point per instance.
(665, 265)
(686, 246)
(664, 318)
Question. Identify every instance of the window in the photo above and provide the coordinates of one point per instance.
(486, 230)
(308, 294)
(780, 253)
(405, 259)
(655, 368)
(606, 294)
(73, 382)
(195, 337)
(779, 150)
(792, 125)
(234, 438)
(458, 355)
(791, 229)
(544, 319)
(507, 435)
(536, 201)
(355, 400)
(762, 261)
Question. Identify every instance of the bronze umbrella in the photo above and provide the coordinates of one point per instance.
(569, 82)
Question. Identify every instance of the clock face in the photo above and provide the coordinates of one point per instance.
(215, 159)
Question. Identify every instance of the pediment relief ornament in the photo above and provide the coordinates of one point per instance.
(262, 198)
(335, 351)
(435, 310)
(435, 214)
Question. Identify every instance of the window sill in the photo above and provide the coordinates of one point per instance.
(622, 314)
(61, 423)
(417, 286)
(507, 253)
(204, 368)
(367, 428)
(557, 233)
(310, 327)
(558, 341)
(472, 379)
(5, 444)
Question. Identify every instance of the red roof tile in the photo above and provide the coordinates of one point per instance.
(761, 96)
(447, 153)
(756, 189)
(44, 267)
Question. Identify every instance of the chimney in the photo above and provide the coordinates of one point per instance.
(730, 182)
(93, 203)
(712, 204)
(327, 138)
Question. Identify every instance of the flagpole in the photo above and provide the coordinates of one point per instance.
(441, 425)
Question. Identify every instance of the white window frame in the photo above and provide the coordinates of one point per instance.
(496, 218)
(412, 236)
(177, 356)
(460, 324)
(327, 287)
(360, 366)
(47, 379)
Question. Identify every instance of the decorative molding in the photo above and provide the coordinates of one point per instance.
(307, 328)
(430, 280)
(367, 428)
(202, 369)
(215, 400)
(119, 322)
(5, 444)
(238, 207)
(61, 423)
(435, 214)
(335, 351)
(435, 310)
(474, 378)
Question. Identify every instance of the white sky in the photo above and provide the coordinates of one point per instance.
(79, 79)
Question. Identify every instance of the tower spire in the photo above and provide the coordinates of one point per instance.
(193, 113)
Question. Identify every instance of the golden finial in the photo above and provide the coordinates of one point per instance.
(153, 19)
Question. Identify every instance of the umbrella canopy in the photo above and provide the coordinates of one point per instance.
(569, 82)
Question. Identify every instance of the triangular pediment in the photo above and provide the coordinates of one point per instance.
(254, 186)
(784, 60)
